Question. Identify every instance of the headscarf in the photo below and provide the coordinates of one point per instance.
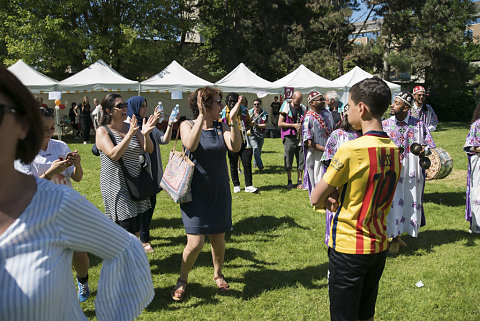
(134, 104)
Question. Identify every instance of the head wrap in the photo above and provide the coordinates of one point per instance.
(134, 104)
(418, 89)
(313, 95)
(407, 98)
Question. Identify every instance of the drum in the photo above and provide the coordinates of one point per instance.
(442, 164)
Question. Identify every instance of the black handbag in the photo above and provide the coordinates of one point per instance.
(140, 187)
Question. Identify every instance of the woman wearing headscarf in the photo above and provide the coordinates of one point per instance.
(137, 106)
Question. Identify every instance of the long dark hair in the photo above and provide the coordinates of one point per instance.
(27, 110)
(107, 104)
(476, 113)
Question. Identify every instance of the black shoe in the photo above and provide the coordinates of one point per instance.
(290, 185)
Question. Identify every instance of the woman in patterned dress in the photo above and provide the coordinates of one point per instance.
(130, 145)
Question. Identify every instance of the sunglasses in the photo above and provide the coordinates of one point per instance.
(121, 106)
(420, 95)
(256, 104)
(345, 108)
(5, 109)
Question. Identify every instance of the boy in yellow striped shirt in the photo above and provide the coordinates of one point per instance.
(358, 187)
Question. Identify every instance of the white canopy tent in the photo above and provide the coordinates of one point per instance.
(355, 75)
(305, 81)
(35, 81)
(243, 80)
(99, 76)
(173, 77)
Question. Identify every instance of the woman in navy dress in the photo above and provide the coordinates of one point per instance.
(210, 211)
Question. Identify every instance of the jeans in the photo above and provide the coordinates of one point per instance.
(246, 156)
(257, 144)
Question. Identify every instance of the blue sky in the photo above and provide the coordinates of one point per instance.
(362, 14)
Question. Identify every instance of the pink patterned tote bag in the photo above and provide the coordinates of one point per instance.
(177, 177)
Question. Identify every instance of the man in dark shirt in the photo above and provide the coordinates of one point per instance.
(275, 111)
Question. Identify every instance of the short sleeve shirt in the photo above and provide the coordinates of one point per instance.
(366, 172)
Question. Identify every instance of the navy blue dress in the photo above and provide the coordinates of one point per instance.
(210, 211)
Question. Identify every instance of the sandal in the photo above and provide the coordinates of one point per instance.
(148, 248)
(222, 287)
(178, 294)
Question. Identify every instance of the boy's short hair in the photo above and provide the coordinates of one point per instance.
(373, 92)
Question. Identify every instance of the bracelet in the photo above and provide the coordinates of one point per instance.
(46, 176)
(170, 125)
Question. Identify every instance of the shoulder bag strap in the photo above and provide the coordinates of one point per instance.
(120, 160)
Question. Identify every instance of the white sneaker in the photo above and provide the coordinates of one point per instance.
(236, 189)
(251, 189)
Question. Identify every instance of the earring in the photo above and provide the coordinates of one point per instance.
(23, 135)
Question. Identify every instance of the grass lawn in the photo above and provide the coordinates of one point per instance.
(276, 261)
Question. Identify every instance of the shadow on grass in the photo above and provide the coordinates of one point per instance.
(444, 126)
(161, 222)
(447, 198)
(274, 170)
(252, 225)
(428, 240)
(282, 188)
(258, 282)
(171, 264)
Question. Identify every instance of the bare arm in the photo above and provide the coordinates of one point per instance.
(324, 196)
(104, 143)
(283, 124)
(231, 135)
(75, 158)
(191, 134)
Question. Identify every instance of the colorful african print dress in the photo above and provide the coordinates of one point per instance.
(472, 211)
(406, 212)
(334, 141)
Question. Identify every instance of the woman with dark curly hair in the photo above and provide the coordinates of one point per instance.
(210, 211)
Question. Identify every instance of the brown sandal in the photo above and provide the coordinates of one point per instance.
(222, 287)
(177, 293)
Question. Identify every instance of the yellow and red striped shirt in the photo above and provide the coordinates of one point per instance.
(365, 171)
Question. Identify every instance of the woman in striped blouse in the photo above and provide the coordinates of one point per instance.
(42, 224)
(130, 144)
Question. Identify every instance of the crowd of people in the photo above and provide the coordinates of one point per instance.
(357, 166)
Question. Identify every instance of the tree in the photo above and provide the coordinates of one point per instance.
(129, 35)
(432, 34)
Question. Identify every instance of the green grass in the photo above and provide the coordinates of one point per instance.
(276, 261)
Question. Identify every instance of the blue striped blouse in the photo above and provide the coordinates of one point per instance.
(36, 258)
